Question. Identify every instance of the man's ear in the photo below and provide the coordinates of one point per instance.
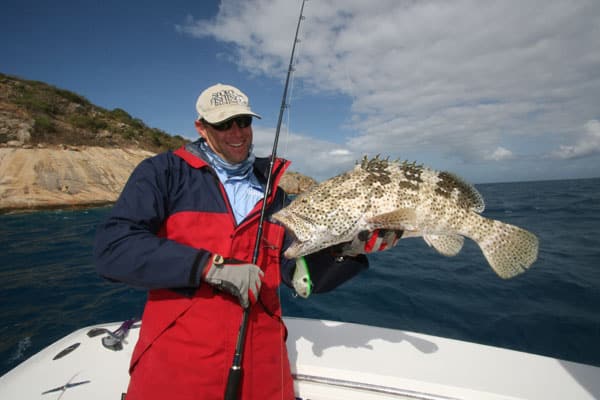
(200, 128)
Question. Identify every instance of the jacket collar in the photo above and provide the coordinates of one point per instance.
(192, 154)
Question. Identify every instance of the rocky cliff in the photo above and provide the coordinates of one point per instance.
(64, 177)
(295, 183)
(57, 150)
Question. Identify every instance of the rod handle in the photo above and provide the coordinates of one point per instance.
(233, 383)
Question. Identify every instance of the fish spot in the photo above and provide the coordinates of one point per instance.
(352, 194)
(373, 178)
(408, 185)
(452, 187)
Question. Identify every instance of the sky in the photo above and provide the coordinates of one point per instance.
(493, 91)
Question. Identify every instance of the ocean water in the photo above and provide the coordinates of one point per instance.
(48, 285)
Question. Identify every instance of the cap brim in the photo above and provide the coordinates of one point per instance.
(224, 114)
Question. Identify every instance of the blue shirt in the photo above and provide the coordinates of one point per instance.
(243, 192)
(241, 184)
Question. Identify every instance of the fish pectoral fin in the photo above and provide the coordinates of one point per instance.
(401, 219)
(447, 245)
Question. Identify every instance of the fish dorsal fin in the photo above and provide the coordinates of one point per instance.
(447, 245)
(468, 196)
(402, 218)
(375, 164)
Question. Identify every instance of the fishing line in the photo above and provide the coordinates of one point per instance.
(289, 102)
(234, 378)
(286, 143)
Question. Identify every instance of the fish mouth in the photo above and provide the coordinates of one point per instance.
(293, 251)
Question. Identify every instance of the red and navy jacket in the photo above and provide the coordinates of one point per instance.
(169, 192)
(172, 214)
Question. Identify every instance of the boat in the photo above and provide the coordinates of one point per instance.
(329, 359)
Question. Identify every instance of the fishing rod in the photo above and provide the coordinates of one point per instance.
(235, 372)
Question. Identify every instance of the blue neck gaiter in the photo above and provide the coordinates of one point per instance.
(241, 185)
(231, 170)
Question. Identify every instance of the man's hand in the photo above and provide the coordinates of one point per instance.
(368, 242)
(238, 278)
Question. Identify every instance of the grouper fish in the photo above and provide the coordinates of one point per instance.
(381, 194)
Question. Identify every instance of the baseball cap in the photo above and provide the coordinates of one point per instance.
(221, 102)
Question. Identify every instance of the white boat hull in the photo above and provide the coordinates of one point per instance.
(331, 360)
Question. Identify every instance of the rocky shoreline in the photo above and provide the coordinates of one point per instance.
(65, 177)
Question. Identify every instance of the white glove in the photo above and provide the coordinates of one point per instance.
(238, 278)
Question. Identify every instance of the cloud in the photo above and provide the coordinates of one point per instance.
(500, 153)
(319, 159)
(453, 79)
(587, 145)
(340, 153)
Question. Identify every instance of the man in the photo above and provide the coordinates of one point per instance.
(184, 228)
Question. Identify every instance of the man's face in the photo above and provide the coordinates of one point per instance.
(232, 145)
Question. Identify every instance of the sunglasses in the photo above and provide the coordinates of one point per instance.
(243, 121)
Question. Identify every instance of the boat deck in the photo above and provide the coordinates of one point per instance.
(330, 360)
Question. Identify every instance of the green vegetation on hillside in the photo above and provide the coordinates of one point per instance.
(58, 116)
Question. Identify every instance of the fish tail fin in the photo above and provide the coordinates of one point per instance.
(510, 250)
